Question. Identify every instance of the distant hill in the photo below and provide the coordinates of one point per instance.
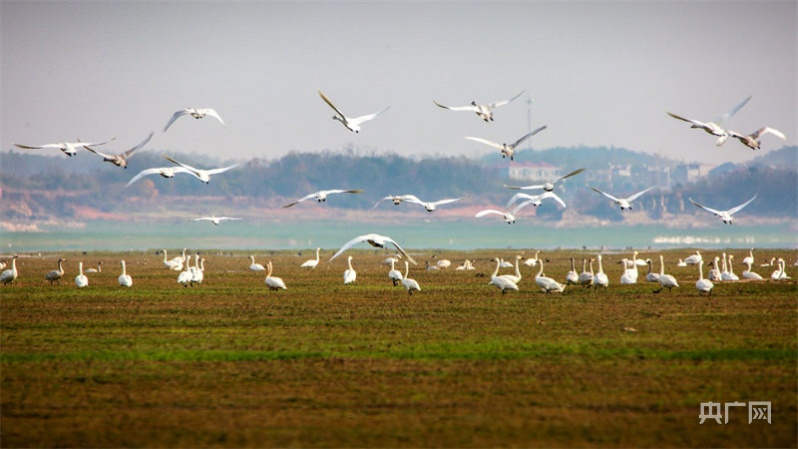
(570, 158)
(786, 158)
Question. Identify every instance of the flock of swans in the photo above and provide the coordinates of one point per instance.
(191, 275)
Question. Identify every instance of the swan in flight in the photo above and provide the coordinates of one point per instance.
(501, 282)
(410, 284)
(56, 275)
(536, 200)
(165, 172)
(483, 111)
(81, 280)
(397, 199)
(601, 279)
(724, 215)
(120, 160)
(350, 275)
(351, 123)
(716, 127)
(395, 275)
(255, 266)
(311, 263)
(202, 175)
(196, 113)
(274, 283)
(624, 203)
(68, 148)
(703, 285)
(547, 284)
(665, 280)
(547, 186)
(375, 240)
(10, 275)
(321, 196)
(509, 216)
(431, 206)
(216, 220)
(124, 279)
(752, 140)
(507, 150)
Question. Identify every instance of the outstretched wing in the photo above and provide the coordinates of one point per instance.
(175, 116)
(521, 206)
(364, 118)
(767, 130)
(212, 112)
(527, 136)
(523, 187)
(329, 102)
(736, 209)
(694, 122)
(727, 115)
(127, 153)
(553, 196)
(605, 194)
(456, 108)
(446, 201)
(637, 195)
(330, 192)
(216, 171)
(485, 141)
(304, 198)
(713, 211)
(502, 103)
(482, 213)
(107, 156)
(519, 196)
(189, 169)
(143, 173)
(573, 173)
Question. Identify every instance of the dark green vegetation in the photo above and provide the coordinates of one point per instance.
(229, 363)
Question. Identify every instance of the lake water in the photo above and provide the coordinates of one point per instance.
(422, 234)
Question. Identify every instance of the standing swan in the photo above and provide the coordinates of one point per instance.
(601, 278)
(312, 263)
(81, 280)
(124, 279)
(665, 280)
(10, 275)
(573, 277)
(186, 275)
(410, 284)
(547, 284)
(274, 283)
(255, 266)
(516, 277)
(350, 275)
(394, 275)
(703, 285)
(55, 275)
(501, 282)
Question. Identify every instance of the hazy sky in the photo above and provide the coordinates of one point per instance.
(600, 73)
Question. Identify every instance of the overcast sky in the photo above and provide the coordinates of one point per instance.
(599, 73)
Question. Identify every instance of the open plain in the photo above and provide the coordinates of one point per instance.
(229, 363)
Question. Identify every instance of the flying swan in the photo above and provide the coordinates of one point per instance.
(375, 240)
(507, 150)
(120, 160)
(321, 196)
(724, 215)
(202, 175)
(547, 186)
(196, 113)
(351, 123)
(624, 203)
(716, 127)
(69, 148)
(483, 111)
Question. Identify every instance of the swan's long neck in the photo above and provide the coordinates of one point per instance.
(496, 271)
(317, 254)
(725, 268)
(349, 262)
(661, 265)
(517, 270)
(591, 267)
(540, 271)
(731, 265)
(164, 255)
(60, 268)
(269, 268)
(80, 268)
(124, 272)
(584, 265)
(601, 269)
(701, 270)
(252, 258)
(407, 269)
(573, 266)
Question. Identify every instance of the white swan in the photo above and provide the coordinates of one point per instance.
(410, 284)
(216, 220)
(714, 274)
(547, 186)
(311, 263)
(732, 276)
(752, 140)
(467, 265)
(586, 277)
(703, 285)
(624, 203)
(749, 259)
(120, 160)
(99, 268)
(537, 200)
(532, 261)
(515, 277)
(125, 280)
(572, 277)
(665, 280)
(202, 175)
(507, 150)
(430, 267)
(395, 275)
(651, 276)
(483, 111)
(724, 215)
(198, 270)
(716, 127)
(375, 240)
(681, 263)
(547, 284)
(601, 279)
(274, 283)
(186, 275)
(81, 280)
(165, 172)
(780, 274)
(255, 266)
(196, 113)
(502, 283)
(10, 275)
(748, 274)
(321, 196)
(431, 206)
(443, 263)
(693, 259)
(630, 273)
(68, 148)
(175, 264)
(509, 216)
(397, 199)
(351, 123)
(350, 275)
(55, 275)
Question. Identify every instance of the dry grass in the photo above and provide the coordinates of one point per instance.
(230, 363)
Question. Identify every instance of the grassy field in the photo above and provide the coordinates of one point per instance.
(230, 363)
